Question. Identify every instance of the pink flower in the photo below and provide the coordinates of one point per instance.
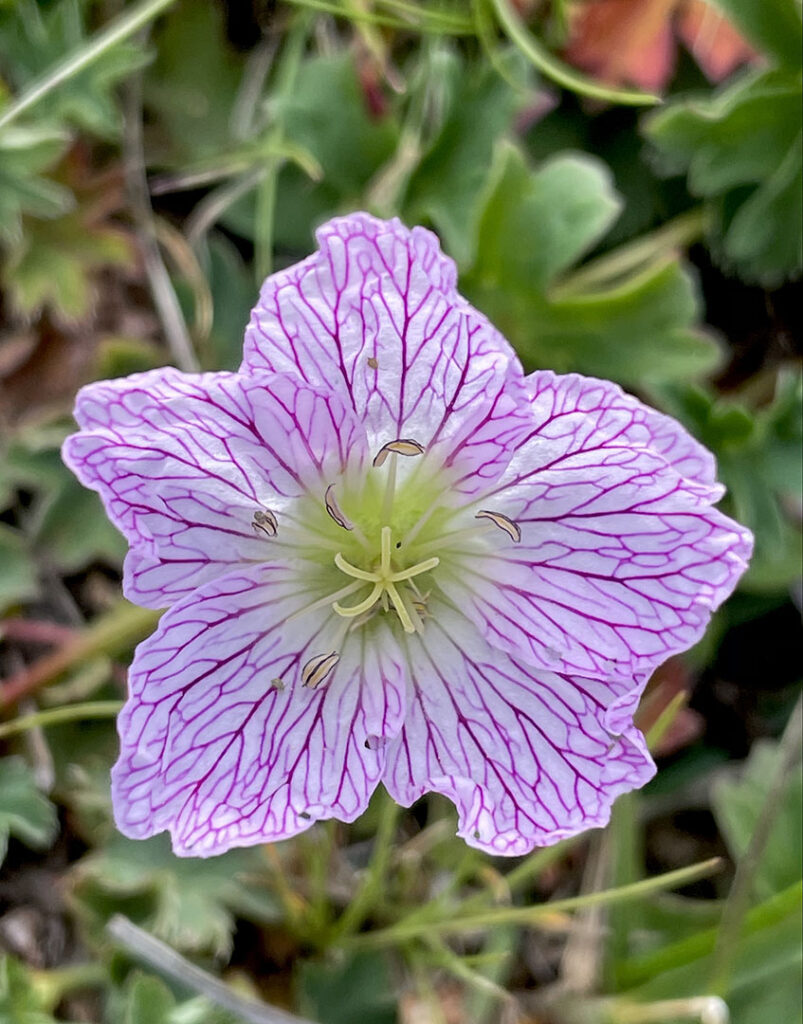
(387, 555)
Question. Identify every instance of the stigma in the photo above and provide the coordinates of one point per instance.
(384, 581)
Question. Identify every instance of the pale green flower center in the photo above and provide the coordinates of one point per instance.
(378, 542)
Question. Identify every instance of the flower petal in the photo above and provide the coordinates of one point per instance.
(220, 741)
(527, 756)
(622, 560)
(184, 462)
(375, 316)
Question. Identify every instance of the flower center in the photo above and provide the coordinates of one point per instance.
(385, 579)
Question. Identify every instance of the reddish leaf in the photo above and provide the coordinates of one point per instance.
(716, 45)
(632, 41)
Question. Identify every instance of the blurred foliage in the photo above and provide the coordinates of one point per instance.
(741, 148)
(24, 812)
(586, 230)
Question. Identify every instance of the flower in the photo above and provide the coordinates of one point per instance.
(387, 555)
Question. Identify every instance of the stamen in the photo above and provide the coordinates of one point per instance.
(266, 521)
(318, 668)
(363, 606)
(510, 528)
(334, 509)
(402, 446)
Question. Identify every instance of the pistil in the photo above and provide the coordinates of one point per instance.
(384, 580)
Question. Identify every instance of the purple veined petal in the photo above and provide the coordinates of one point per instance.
(621, 561)
(220, 742)
(183, 462)
(600, 412)
(527, 756)
(374, 314)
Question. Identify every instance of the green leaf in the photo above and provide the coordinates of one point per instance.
(72, 529)
(325, 116)
(638, 328)
(17, 569)
(25, 812)
(191, 87)
(741, 150)
(24, 154)
(765, 975)
(52, 263)
(232, 288)
(758, 456)
(34, 37)
(737, 806)
(147, 1000)
(66, 522)
(21, 1002)
(773, 26)
(559, 212)
(187, 902)
(446, 186)
(357, 988)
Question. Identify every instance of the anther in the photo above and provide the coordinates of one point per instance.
(510, 528)
(265, 521)
(402, 446)
(334, 509)
(318, 668)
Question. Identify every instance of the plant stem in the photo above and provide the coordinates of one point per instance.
(56, 716)
(373, 882)
(117, 630)
(121, 28)
(561, 73)
(679, 233)
(730, 928)
(405, 930)
(161, 957)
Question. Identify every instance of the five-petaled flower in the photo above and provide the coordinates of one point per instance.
(388, 555)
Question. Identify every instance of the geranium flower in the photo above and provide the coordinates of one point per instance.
(387, 555)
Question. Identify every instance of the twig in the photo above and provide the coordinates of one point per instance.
(164, 296)
(165, 960)
(35, 631)
(120, 628)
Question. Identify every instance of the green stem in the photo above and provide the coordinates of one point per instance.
(418, 20)
(549, 65)
(374, 880)
(679, 233)
(55, 716)
(73, 63)
(404, 930)
(730, 928)
(664, 721)
(286, 77)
